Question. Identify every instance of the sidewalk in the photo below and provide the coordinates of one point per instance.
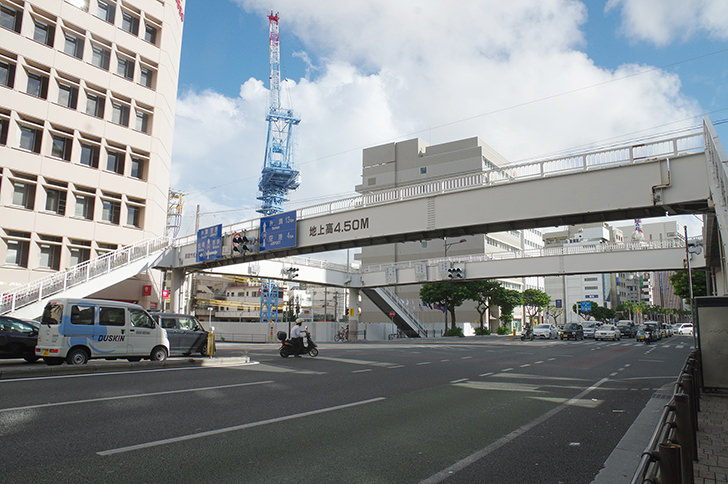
(712, 465)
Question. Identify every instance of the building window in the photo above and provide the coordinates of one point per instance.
(80, 251)
(150, 33)
(11, 18)
(37, 85)
(115, 161)
(84, 205)
(61, 147)
(120, 113)
(24, 194)
(7, 73)
(423, 170)
(100, 57)
(146, 76)
(67, 95)
(95, 104)
(142, 121)
(111, 211)
(90, 155)
(130, 23)
(104, 248)
(125, 67)
(30, 138)
(106, 10)
(4, 126)
(82, 4)
(73, 45)
(137, 167)
(55, 200)
(44, 33)
(50, 252)
(134, 215)
(18, 244)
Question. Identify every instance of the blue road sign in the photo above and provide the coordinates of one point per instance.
(585, 306)
(278, 231)
(209, 243)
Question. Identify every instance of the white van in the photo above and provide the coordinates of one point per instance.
(74, 330)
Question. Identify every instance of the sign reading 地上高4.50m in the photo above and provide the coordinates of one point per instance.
(278, 231)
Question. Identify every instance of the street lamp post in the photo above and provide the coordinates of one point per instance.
(447, 246)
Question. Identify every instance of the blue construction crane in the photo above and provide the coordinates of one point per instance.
(278, 175)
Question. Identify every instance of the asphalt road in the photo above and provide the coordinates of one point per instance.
(455, 411)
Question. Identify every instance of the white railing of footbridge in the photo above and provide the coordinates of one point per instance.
(79, 274)
(589, 161)
(544, 252)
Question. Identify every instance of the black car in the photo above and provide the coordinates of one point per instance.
(186, 334)
(18, 338)
(572, 331)
(627, 330)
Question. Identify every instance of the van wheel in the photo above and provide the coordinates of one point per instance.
(159, 354)
(77, 356)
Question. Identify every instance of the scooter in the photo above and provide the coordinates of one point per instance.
(527, 335)
(649, 338)
(287, 349)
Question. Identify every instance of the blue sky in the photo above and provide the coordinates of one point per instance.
(530, 78)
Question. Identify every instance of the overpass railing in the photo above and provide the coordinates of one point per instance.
(544, 252)
(593, 160)
(79, 274)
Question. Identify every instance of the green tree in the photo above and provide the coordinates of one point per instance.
(509, 300)
(448, 295)
(680, 283)
(485, 293)
(534, 301)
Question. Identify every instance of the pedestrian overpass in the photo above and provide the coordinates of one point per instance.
(678, 175)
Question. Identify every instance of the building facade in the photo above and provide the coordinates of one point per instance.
(87, 98)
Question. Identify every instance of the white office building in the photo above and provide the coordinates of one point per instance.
(87, 99)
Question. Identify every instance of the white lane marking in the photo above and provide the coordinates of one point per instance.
(362, 371)
(424, 363)
(466, 357)
(507, 369)
(137, 395)
(526, 365)
(462, 464)
(234, 428)
(459, 381)
(108, 373)
(396, 366)
(538, 362)
(486, 374)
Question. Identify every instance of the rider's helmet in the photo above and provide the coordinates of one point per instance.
(299, 321)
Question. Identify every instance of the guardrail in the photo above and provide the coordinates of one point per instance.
(669, 456)
(78, 274)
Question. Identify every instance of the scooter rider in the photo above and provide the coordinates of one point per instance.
(297, 337)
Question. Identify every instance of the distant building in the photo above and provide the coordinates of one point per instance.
(413, 161)
(87, 101)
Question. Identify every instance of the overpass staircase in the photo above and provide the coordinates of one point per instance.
(84, 279)
(387, 301)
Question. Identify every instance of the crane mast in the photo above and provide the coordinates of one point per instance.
(278, 175)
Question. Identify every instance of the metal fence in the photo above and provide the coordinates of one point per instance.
(669, 456)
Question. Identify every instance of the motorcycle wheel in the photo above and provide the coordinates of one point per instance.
(284, 352)
(313, 352)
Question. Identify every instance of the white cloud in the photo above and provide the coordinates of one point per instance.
(663, 21)
(511, 73)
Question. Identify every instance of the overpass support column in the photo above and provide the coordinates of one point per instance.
(354, 308)
(176, 290)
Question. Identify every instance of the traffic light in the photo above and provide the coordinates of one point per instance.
(456, 273)
(291, 272)
(242, 244)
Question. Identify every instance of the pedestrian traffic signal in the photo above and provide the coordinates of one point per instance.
(242, 244)
(455, 273)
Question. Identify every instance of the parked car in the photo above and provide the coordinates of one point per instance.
(628, 330)
(685, 329)
(186, 334)
(607, 331)
(18, 338)
(589, 328)
(546, 331)
(572, 331)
